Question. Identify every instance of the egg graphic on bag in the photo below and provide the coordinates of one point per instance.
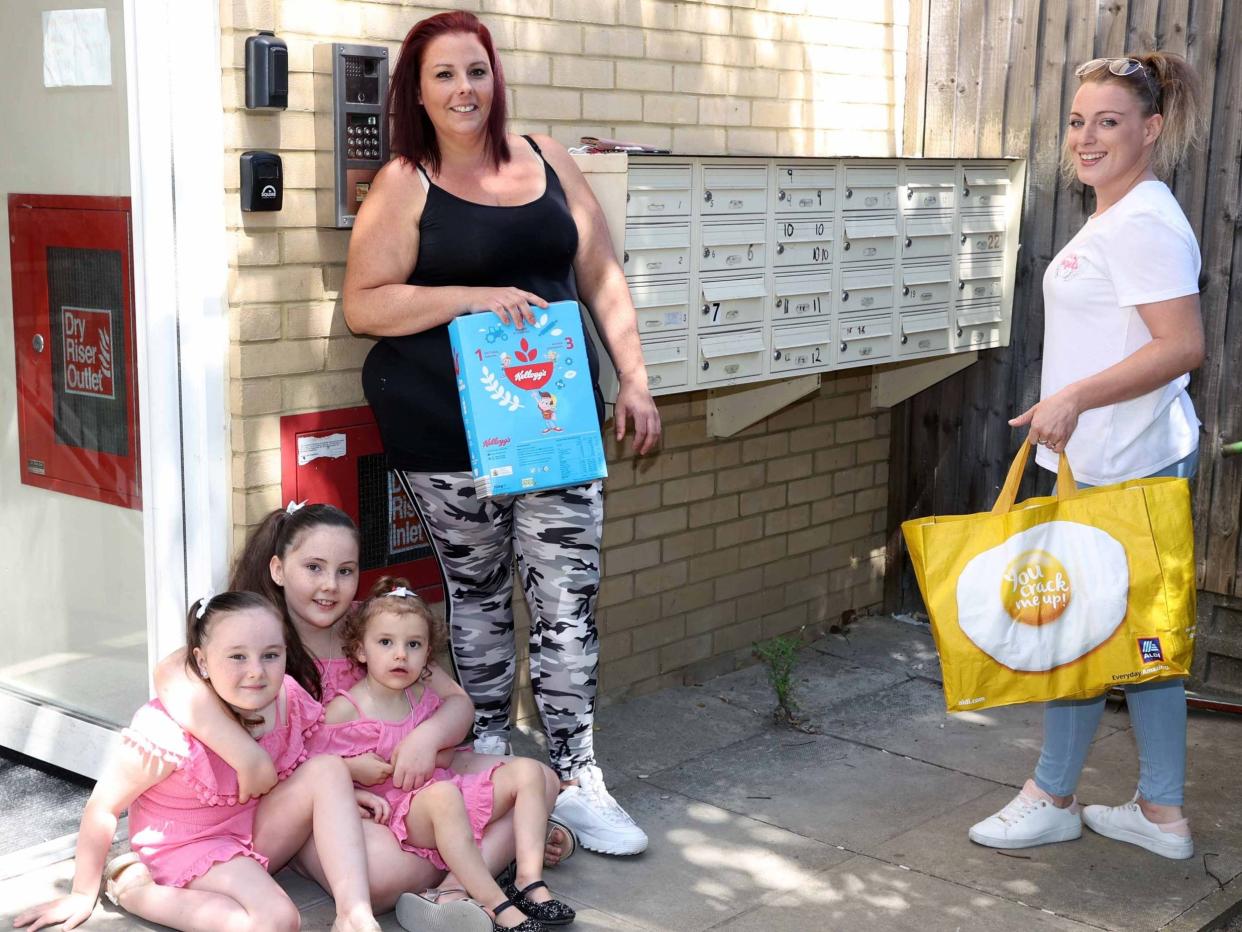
(1045, 597)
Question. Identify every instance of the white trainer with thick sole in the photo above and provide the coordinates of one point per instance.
(1127, 823)
(1028, 820)
(495, 745)
(423, 913)
(596, 819)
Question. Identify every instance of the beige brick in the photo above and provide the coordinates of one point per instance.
(536, 9)
(688, 544)
(551, 103)
(840, 7)
(713, 511)
(613, 42)
(779, 55)
(632, 557)
(253, 129)
(299, 169)
(740, 479)
(297, 210)
(789, 467)
(718, 454)
(703, 18)
(248, 14)
(314, 245)
(765, 499)
(348, 352)
(254, 396)
(847, 529)
(257, 248)
(633, 613)
(597, 11)
(883, 424)
(778, 113)
(614, 647)
(851, 431)
(787, 519)
(263, 285)
(644, 76)
(661, 108)
(631, 669)
(706, 79)
(830, 509)
(736, 637)
(685, 433)
(851, 480)
(562, 37)
(684, 652)
(618, 531)
(258, 322)
(320, 18)
(835, 458)
(787, 571)
(663, 465)
(744, 141)
(815, 437)
(726, 111)
(725, 49)
(650, 14)
(810, 489)
(834, 408)
(612, 106)
(826, 559)
(527, 68)
(616, 590)
(582, 72)
(638, 500)
(738, 584)
(251, 434)
(319, 319)
(806, 590)
(688, 598)
(757, 604)
(756, 23)
(711, 565)
(660, 136)
(739, 532)
(281, 358)
(620, 473)
(871, 499)
(766, 550)
(660, 578)
(259, 502)
(785, 621)
(796, 415)
(689, 489)
(659, 634)
(837, 60)
(661, 522)
(261, 468)
(881, 473)
(765, 447)
(712, 618)
(674, 46)
(322, 391)
(807, 540)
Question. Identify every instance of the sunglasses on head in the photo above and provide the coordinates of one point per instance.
(1122, 68)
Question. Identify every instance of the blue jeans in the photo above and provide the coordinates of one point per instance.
(1157, 712)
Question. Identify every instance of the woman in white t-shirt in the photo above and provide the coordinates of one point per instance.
(1122, 331)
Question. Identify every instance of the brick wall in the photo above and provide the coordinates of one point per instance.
(711, 544)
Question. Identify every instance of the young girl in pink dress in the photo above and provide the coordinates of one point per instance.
(304, 559)
(201, 857)
(393, 638)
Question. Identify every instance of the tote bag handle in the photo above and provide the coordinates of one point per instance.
(1066, 486)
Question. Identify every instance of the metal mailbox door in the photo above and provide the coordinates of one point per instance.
(73, 327)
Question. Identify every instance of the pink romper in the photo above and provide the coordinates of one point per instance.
(363, 735)
(191, 820)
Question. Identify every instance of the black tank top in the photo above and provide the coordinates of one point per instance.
(409, 380)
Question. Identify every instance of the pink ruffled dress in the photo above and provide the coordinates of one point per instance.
(364, 735)
(191, 820)
(337, 675)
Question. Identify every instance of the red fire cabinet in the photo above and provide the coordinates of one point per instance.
(73, 330)
(337, 457)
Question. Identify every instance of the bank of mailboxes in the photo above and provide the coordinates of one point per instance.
(747, 269)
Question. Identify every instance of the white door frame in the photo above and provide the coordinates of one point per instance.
(176, 156)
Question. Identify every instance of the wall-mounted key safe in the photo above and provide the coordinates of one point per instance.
(351, 134)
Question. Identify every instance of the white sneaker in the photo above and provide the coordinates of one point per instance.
(599, 823)
(1127, 823)
(425, 913)
(496, 745)
(1029, 819)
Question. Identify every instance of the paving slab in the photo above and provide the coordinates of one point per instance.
(831, 790)
(1093, 879)
(864, 893)
(819, 682)
(879, 641)
(663, 729)
(909, 718)
(704, 864)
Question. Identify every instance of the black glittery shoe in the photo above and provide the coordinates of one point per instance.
(551, 913)
(527, 925)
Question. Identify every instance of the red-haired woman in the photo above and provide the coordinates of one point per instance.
(468, 217)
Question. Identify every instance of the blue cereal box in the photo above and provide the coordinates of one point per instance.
(527, 401)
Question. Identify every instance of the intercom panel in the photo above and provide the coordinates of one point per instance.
(351, 134)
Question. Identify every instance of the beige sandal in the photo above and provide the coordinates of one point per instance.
(570, 843)
(124, 872)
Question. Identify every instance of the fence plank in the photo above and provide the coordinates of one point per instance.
(1141, 34)
(1110, 28)
(1202, 51)
(970, 29)
(941, 78)
(916, 79)
(1173, 26)
(993, 78)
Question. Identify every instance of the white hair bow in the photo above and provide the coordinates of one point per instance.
(401, 593)
(294, 506)
(202, 605)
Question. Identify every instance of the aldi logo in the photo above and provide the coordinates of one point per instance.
(1149, 649)
(87, 335)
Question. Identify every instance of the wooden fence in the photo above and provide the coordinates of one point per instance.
(992, 78)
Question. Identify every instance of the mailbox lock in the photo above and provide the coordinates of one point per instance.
(38, 343)
(707, 252)
(965, 192)
(909, 242)
(706, 364)
(707, 196)
(707, 309)
(780, 249)
(845, 296)
(905, 291)
(959, 331)
(904, 339)
(846, 246)
(781, 195)
(909, 194)
(844, 346)
(964, 238)
(627, 256)
(961, 284)
(776, 355)
(849, 192)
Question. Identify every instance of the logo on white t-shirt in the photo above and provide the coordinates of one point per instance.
(1068, 266)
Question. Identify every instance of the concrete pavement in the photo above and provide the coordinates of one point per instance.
(861, 826)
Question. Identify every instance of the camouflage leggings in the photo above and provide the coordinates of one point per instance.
(556, 537)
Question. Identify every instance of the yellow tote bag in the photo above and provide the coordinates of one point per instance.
(1059, 597)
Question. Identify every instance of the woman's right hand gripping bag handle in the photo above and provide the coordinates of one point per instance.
(1059, 597)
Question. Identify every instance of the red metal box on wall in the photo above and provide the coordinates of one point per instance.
(73, 331)
(337, 457)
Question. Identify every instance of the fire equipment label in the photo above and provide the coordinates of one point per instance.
(87, 335)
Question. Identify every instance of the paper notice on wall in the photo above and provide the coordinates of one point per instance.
(77, 50)
(312, 448)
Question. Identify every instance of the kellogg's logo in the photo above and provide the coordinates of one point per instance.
(1149, 650)
(528, 375)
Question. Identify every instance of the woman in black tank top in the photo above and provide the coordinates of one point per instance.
(467, 218)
